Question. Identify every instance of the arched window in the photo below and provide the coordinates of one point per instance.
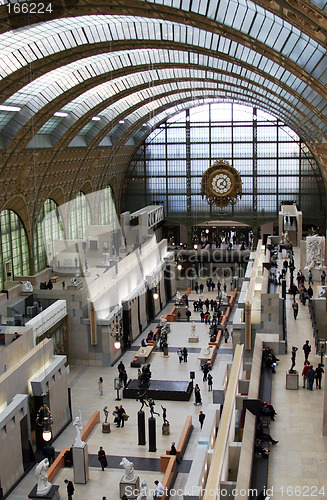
(107, 209)
(49, 227)
(274, 163)
(14, 254)
(79, 217)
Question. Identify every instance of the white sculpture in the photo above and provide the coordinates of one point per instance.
(315, 252)
(106, 259)
(143, 491)
(129, 470)
(193, 329)
(43, 485)
(79, 427)
(27, 286)
(206, 350)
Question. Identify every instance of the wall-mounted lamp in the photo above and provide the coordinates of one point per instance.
(179, 267)
(155, 293)
(44, 420)
(116, 333)
(195, 246)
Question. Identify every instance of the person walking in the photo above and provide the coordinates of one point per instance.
(307, 349)
(201, 418)
(210, 379)
(121, 416)
(180, 354)
(305, 370)
(70, 489)
(205, 370)
(319, 371)
(295, 307)
(197, 394)
(100, 386)
(188, 314)
(323, 278)
(310, 282)
(102, 458)
(310, 377)
(185, 354)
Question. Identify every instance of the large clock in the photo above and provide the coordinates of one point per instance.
(221, 184)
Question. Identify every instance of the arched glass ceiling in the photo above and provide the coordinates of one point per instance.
(23, 46)
(50, 86)
(94, 97)
(320, 3)
(144, 113)
(209, 8)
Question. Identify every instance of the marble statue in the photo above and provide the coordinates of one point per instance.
(129, 470)
(206, 350)
(315, 252)
(106, 413)
(79, 427)
(106, 259)
(143, 490)
(43, 485)
(27, 286)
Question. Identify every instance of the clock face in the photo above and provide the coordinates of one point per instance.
(221, 183)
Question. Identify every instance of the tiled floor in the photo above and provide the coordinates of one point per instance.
(299, 459)
(122, 442)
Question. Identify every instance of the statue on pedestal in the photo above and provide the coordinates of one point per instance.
(106, 413)
(129, 470)
(43, 485)
(164, 416)
(151, 405)
(79, 427)
(206, 350)
(142, 399)
(293, 357)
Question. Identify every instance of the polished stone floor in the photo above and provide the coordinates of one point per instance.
(299, 459)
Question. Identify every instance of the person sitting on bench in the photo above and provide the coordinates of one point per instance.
(262, 436)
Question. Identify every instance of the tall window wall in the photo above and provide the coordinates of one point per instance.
(49, 227)
(273, 163)
(14, 253)
(107, 208)
(79, 217)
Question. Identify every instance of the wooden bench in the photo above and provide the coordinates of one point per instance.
(168, 465)
(233, 297)
(170, 317)
(54, 279)
(184, 439)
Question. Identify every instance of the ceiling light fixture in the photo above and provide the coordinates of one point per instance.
(60, 113)
(96, 118)
(4, 107)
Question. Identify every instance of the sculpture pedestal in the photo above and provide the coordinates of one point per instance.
(292, 380)
(193, 339)
(165, 430)
(53, 494)
(81, 465)
(129, 488)
(106, 428)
